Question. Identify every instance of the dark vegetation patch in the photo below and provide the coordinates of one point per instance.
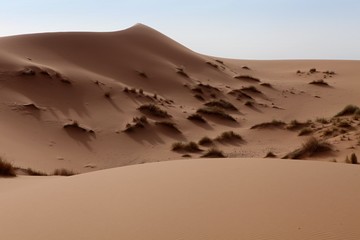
(169, 125)
(320, 82)
(228, 137)
(247, 78)
(221, 104)
(74, 125)
(196, 118)
(206, 141)
(6, 169)
(272, 124)
(186, 147)
(310, 148)
(153, 110)
(214, 153)
(216, 112)
(251, 89)
(63, 172)
(349, 110)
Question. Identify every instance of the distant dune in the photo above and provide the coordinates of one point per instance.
(82, 102)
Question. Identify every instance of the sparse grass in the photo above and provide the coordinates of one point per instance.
(252, 89)
(272, 124)
(305, 131)
(199, 97)
(138, 122)
(349, 110)
(186, 147)
(296, 125)
(247, 78)
(153, 110)
(270, 155)
(319, 82)
(229, 136)
(205, 141)
(33, 172)
(344, 124)
(197, 90)
(212, 64)
(310, 148)
(329, 72)
(208, 87)
(268, 85)
(169, 125)
(221, 104)
(217, 112)
(63, 172)
(196, 117)
(214, 153)
(182, 72)
(322, 120)
(6, 169)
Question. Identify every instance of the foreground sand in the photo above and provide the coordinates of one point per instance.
(53, 79)
(195, 199)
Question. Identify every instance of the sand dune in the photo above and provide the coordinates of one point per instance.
(195, 199)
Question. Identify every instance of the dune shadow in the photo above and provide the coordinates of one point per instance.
(81, 136)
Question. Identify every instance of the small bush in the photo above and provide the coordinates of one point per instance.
(214, 153)
(312, 70)
(247, 78)
(270, 155)
(63, 172)
(349, 110)
(169, 125)
(252, 89)
(311, 147)
(353, 159)
(221, 104)
(217, 112)
(272, 124)
(205, 141)
(196, 117)
(320, 82)
(153, 110)
(229, 136)
(6, 169)
(186, 147)
(32, 172)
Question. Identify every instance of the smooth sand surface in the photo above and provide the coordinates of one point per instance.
(196, 199)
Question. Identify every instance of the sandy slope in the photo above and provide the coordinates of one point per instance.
(195, 199)
(82, 76)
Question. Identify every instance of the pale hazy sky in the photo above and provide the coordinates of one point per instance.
(252, 29)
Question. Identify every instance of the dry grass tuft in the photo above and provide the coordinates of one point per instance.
(217, 112)
(6, 169)
(229, 136)
(196, 117)
(310, 148)
(186, 147)
(272, 124)
(251, 89)
(221, 104)
(214, 153)
(320, 82)
(206, 141)
(63, 172)
(349, 110)
(153, 110)
(169, 125)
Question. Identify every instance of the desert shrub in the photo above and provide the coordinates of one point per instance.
(305, 131)
(221, 104)
(6, 169)
(311, 147)
(229, 136)
(196, 117)
(217, 112)
(208, 87)
(182, 72)
(272, 124)
(296, 125)
(138, 122)
(349, 110)
(322, 120)
(247, 78)
(153, 110)
(353, 159)
(252, 89)
(320, 82)
(186, 147)
(312, 70)
(63, 172)
(205, 141)
(329, 72)
(214, 153)
(270, 155)
(169, 125)
(33, 172)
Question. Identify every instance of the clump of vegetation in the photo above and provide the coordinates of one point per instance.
(142, 74)
(229, 136)
(349, 110)
(270, 155)
(205, 141)
(33, 172)
(212, 64)
(247, 78)
(268, 85)
(208, 87)
(63, 172)
(217, 112)
(320, 82)
(353, 159)
(296, 125)
(153, 110)
(6, 169)
(310, 148)
(138, 122)
(186, 147)
(252, 89)
(214, 153)
(197, 90)
(322, 120)
(196, 117)
(240, 95)
(221, 104)
(272, 124)
(169, 125)
(329, 72)
(249, 103)
(312, 70)
(182, 72)
(344, 124)
(199, 97)
(305, 131)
